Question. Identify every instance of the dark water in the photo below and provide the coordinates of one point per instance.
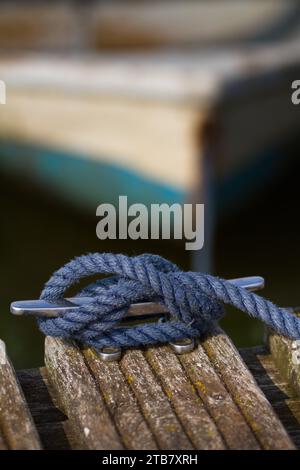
(39, 234)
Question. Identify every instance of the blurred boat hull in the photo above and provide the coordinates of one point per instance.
(166, 127)
(85, 183)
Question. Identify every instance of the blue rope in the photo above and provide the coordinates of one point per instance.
(194, 301)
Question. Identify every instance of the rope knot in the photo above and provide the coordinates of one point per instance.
(193, 301)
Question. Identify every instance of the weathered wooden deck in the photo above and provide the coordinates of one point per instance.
(212, 398)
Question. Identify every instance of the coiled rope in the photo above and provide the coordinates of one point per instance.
(194, 301)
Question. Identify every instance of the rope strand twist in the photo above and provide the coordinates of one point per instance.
(194, 301)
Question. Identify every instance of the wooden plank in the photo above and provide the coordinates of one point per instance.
(57, 432)
(79, 396)
(188, 406)
(262, 366)
(288, 406)
(278, 391)
(153, 402)
(54, 428)
(121, 402)
(51, 423)
(41, 403)
(243, 388)
(286, 354)
(235, 431)
(53, 436)
(17, 428)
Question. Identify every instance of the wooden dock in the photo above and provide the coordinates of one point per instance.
(212, 398)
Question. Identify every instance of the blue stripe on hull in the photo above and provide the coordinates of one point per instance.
(85, 182)
(81, 180)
